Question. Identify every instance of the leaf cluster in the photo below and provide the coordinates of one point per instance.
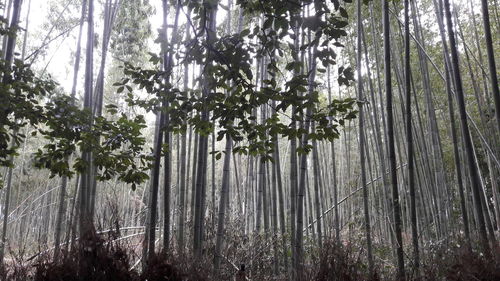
(228, 77)
(117, 146)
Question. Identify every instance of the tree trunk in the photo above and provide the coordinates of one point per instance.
(210, 24)
(390, 135)
(409, 143)
(361, 130)
(465, 130)
(491, 60)
(86, 221)
(183, 173)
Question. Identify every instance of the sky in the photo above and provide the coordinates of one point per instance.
(60, 53)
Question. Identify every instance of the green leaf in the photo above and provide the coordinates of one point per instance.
(245, 32)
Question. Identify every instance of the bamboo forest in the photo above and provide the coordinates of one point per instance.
(301, 140)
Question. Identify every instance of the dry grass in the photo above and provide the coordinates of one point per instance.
(101, 259)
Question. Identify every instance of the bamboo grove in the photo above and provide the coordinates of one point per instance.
(252, 132)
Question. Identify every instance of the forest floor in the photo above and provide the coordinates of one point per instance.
(101, 260)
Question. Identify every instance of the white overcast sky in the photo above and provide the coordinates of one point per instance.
(60, 54)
